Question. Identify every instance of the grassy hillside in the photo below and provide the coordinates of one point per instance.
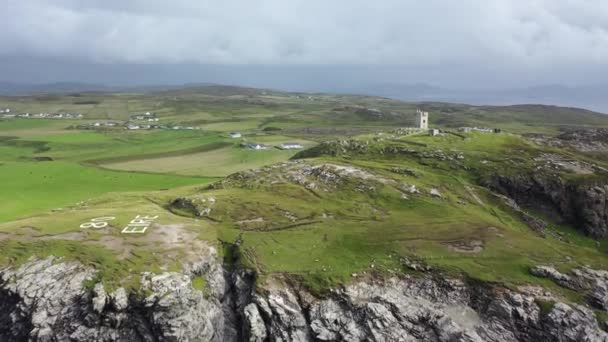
(362, 200)
(361, 211)
(35, 187)
(223, 109)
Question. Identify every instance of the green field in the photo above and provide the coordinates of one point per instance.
(35, 187)
(215, 162)
(331, 212)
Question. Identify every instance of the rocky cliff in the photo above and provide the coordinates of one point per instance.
(55, 300)
(582, 204)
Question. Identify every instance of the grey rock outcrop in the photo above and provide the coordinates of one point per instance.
(287, 320)
(573, 323)
(44, 295)
(419, 309)
(399, 310)
(584, 205)
(46, 300)
(255, 327)
(594, 283)
(100, 298)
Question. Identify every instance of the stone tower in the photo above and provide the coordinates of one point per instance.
(423, 119)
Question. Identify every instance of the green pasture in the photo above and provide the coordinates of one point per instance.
(34, 187)
(214, 162)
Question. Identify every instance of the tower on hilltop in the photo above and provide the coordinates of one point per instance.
(423, 119)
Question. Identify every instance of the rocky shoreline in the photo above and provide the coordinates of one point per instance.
(52, 300)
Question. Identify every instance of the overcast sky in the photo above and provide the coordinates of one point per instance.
(443, 42)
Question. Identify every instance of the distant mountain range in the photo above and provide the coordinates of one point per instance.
(16, 89)
(588, 97)
(10, 89)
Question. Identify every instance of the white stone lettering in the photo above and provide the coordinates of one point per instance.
(98, 222)
(139, 224)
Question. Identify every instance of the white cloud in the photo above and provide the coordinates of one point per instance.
(527, 34)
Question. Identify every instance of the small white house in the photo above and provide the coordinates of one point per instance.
(434, 132)
(256, 146)
(291, 146)
(235, 135)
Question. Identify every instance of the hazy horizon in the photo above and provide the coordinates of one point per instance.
(342, 46)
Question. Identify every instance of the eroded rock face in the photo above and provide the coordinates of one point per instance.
(423, 309)
(397, 310)
(44, 295)
(45, 300)
(572, 323)
(594, 283)
(584, 205)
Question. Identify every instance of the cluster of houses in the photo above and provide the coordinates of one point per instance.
(309, 98)
(434, 132)
(258, 146)
(137, 126)
(106, 124)
(479, 129)
(130, 126)
(147, 116)
(283, 146)
(290, 146)
(98, 125)
(6, 113)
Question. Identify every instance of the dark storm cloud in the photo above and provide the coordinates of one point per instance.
(531, 34)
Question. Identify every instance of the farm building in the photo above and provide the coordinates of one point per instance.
(291, 146)
(256, 146)
(235, 134)
(434, 132)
